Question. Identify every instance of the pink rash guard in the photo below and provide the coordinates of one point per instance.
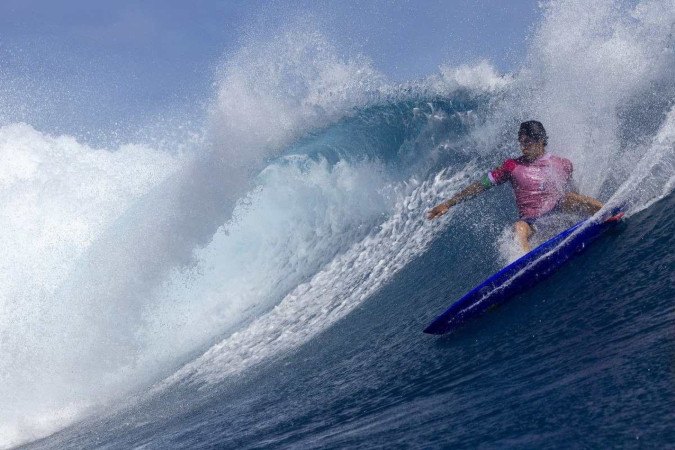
(538, 185)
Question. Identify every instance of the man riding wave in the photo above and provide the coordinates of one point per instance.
(542, 184)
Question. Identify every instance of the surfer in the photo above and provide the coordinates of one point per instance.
(541, 182)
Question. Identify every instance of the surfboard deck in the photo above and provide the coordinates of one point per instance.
(523, 273)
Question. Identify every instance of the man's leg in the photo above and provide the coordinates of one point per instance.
(577, 203)
(523, 233)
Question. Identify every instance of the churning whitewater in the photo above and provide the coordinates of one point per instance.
(279, 258)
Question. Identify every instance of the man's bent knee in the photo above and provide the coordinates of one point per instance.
(523, 232)
(523, 228)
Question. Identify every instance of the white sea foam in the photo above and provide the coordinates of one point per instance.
(339, 287)
(481, 77)
(56, 197)
(303, 213)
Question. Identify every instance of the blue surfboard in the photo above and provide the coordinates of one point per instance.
(523, 273)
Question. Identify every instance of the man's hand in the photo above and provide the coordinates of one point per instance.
(438, 210)
(468, 192)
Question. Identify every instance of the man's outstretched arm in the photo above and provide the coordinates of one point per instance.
(466, 193)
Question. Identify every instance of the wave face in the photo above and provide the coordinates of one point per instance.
(265, 282)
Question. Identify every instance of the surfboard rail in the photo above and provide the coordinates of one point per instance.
(523, 273)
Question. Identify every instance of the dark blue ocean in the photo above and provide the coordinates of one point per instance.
(263, 280)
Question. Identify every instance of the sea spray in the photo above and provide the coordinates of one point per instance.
(58, 196)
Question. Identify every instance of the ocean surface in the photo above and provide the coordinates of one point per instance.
(265, 281)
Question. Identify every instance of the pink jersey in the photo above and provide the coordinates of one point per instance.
(538, 185)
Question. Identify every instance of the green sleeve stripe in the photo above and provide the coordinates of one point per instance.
(485, 181)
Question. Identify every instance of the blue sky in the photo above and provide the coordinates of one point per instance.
(80, 66)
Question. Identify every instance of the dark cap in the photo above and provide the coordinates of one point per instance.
(534, 130)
